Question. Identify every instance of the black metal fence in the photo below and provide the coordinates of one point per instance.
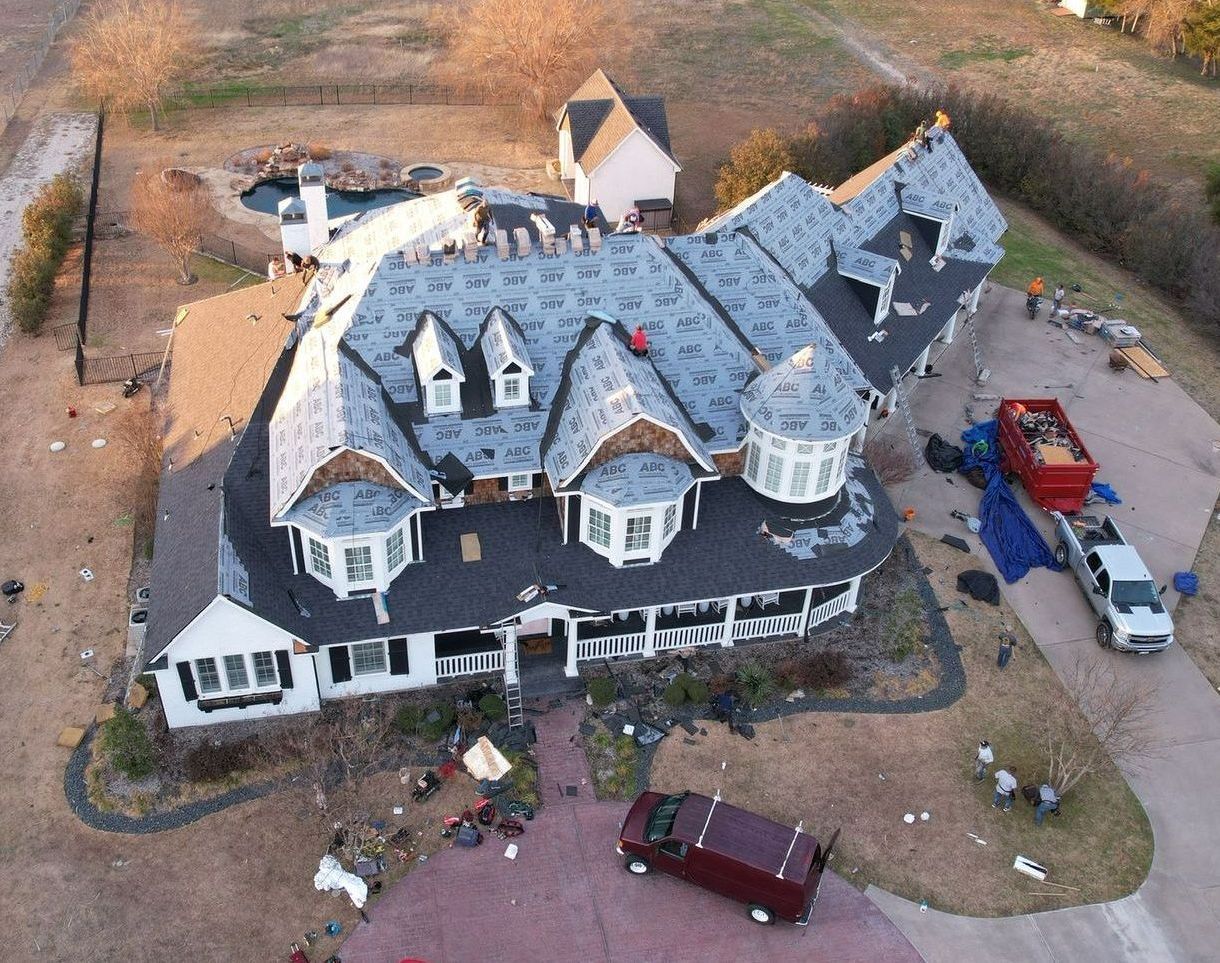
(82, 316)
(65, 336)
(95, 371)
(331, 95)
(246, 258)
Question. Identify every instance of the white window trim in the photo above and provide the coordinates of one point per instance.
(310, 541)
(432, 404)
(360, 547)
(378, 546)
(514, 481)
(617, 552)
(394, 567)
(815, 454)
(222, 675)
(385, 659)
(501, 382)
(884, 296)
(645, 518)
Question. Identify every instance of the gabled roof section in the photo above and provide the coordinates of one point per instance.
(865, 265)
(503, 343)
(605, 388)
(434, 349)
(804, 399)
(600, 116)
(926, 203)
(638, 479)
(333, 400)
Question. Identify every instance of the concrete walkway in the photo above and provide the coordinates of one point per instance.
(1161, 452)
(567, 896)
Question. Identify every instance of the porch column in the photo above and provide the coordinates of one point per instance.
(729, 619)
(805, 609)
(921, 364)
(854, 598)
(857, 440)
(419, 535)
(570, 668)
(974, 300)
(650, 631)
(888, 401)
(947, 332)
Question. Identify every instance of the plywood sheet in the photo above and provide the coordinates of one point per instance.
(1144, 363)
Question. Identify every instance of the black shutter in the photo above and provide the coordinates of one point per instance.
(188, 682)
(503, 483)
(398, 657)
(536, 481)
(340, 664)
(284, 667)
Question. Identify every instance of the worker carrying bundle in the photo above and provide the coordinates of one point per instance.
(482, 222)
(632, 221)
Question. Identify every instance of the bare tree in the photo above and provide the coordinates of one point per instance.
(174, 209)
(1094, 717)
(538, 49)
(131, 51)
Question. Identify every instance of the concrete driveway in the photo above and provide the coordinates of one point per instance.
(1161, 452)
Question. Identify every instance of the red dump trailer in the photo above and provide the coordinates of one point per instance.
(1045, 451)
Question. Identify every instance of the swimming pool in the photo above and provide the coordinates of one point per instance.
(266, 196)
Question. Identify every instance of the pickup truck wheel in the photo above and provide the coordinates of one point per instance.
(1061, 555)
(760, 914)
(1105, 634)
(637, 865)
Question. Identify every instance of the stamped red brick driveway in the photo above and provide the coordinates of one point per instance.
(567, 897)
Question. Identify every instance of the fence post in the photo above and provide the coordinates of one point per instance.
(374, 95)
(337, 100)
(247, 96)
(321, 99)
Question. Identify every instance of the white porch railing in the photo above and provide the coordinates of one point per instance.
(767, 626)
(609, 646)
(828, 610)
(689, 635)
(470, 664)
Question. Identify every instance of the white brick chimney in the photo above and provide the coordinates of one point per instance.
(294, 228)
(312, 182)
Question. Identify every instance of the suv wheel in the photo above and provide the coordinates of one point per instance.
(760, 914)
(1061, 555)
(1105, 634)
(637, 865)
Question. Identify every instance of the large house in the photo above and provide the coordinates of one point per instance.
(435, 459)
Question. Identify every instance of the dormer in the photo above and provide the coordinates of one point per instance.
(871, 276)
(438, 364)
(508, 361)
(934, 215)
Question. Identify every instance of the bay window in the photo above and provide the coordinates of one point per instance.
(795, 471)
(395, 550)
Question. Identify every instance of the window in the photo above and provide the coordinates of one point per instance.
(639, 533)
(752, 461)
(510, 387)
(522, 482)
(674, 848)
(319, 558)
(442, 395)
(663, 816)
(395, 551)
(842, 461)
(799, 486)
(1103, 581)
(671, 521)
(264, 669)
(359, 563)
(368, 657)
(805, 448)
(235, 672)
(779, 444)
(824, 471)
(209, 678)
(1094, 562)
(599, 528)
(775, 469)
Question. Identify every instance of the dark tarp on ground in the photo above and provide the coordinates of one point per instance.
(981, 586)
(1014, 542)
(941, 455)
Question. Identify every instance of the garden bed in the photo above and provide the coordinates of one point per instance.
(344, 170)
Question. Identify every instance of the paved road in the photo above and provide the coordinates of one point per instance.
(1156, 448)
(567, 897)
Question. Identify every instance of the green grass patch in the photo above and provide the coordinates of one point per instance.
(208, 269)
(988, 48)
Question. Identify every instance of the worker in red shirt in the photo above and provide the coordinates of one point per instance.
(639, 342)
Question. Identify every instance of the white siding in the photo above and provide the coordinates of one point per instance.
(221, 629)
(580, 190)
(566, 161)
(421, 660)
(637, 169)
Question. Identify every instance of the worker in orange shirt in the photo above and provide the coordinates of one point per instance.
(1036, 288)
(942, 120)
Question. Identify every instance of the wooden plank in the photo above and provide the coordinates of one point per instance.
(1144, 363)
(1056, 455)
(472, 551)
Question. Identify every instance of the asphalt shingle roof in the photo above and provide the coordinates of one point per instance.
(600, 115)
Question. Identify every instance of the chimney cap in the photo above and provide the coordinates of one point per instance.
(291, 209)
(311, 171)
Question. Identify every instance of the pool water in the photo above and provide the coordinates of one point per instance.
(425, 173)
(265, 198)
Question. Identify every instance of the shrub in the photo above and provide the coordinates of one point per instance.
(674, 694)
(149, 681)
(524, 775)
(209, 762)
(685, 688)
(438, 727)
(46, 228)
(319, 152)
(602, 691)
(492, 706)
(407, 719)
(126, 745)
(756, 683)
(752, 165)
(904, 625)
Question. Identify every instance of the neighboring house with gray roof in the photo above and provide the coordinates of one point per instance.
(358, 532)
(614, 148)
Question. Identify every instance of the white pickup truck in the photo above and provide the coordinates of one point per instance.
(1130, 614)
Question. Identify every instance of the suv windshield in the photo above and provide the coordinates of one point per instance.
(661, 819)
(1135, 593)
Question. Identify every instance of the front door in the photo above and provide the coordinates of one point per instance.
(671, 857)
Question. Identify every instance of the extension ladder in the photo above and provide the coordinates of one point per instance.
(512, 681)
(904, 402)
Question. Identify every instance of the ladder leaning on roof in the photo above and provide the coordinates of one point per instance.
(512, 680)
(904, 403)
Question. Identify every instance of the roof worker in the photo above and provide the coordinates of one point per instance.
(632, 221)
(1036, 288)
(593, 214)
(942, 120)
(639, 342)
(482, 222)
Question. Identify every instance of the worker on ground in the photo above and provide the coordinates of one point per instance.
(639, 342)
(1036, 288)
(942, 120)
(632, 221)
(982, 759)
(1057, 301)
(1005, 789)
(593, 214)
(1048, 802)
(482, 222)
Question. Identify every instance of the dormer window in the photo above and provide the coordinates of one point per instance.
(438, 363)
(872, 278)
(511, 387)
(440, 395)
(507, 357)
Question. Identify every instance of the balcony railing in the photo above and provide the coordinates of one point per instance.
(473, 663)
(689, 635)
(768, 626)
(610, 646)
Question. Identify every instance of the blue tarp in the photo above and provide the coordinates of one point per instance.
(1014, 542)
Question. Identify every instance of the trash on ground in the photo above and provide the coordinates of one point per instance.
(99, 442)
(1027, 866)
(58, 446)
(909, 818)
(485, 761)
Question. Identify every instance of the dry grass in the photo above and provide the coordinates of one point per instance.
(1102, 844)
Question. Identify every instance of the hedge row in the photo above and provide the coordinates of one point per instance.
(46, 228)
(1103, 201)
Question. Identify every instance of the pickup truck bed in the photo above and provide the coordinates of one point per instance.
(1091, 531)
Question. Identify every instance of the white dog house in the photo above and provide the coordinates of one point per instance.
(614, 149)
